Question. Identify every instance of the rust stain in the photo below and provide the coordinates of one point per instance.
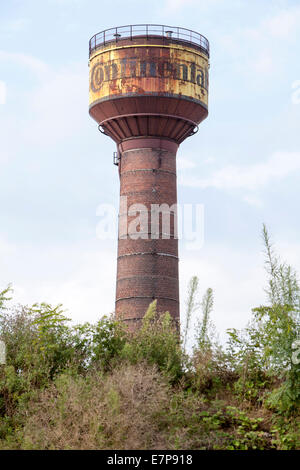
(142, 70)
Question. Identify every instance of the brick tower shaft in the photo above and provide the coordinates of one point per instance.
(147, 245)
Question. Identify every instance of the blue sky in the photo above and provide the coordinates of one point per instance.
(56, 168)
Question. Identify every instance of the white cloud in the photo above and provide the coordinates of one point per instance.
(59, 106)
(289, 252)
(253, 200)
(3, 92)
(67, 2)
(280, 26)
(58, 103)
(236, 277)
(264, 63)
(184, 163)
(295, 97)
(6, 249)
(12, 121)
(209, 160)
(260, 51)
(14, 26)
(280, 165)
(80, 277)
(283, 24)
(36, 65)
(89, 292)
(175, 5)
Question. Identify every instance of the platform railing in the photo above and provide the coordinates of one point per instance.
(149, 30)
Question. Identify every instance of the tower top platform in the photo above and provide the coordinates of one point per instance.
(150, 32)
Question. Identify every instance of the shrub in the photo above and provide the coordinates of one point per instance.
(210, 370)
(262, 353)
(157, 342)
(101, 411)
(108, 338)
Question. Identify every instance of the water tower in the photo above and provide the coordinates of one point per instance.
(148, 92)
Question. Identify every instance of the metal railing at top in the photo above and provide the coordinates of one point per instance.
(148, 30)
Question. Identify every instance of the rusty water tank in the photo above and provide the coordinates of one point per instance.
(148, 92)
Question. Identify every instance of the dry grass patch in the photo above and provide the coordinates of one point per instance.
(111, 411)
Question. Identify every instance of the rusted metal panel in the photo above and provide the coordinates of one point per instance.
(149, 87)
(158, 70)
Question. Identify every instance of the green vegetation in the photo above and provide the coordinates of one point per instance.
(99, 386)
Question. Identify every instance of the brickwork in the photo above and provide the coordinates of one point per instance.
(147, 267)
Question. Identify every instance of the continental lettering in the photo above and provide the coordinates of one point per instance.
(133, 67)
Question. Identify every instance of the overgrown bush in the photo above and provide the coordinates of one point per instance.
(210, 371)
(157, 342)
(263, 352)
(98, 411)
(100, 386)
